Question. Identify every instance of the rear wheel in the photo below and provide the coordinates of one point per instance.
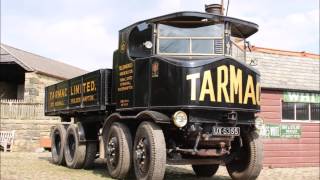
(57, 144)
(149, 153)
(74, 152)
(118, 147)
(205, 170)
(247, 163)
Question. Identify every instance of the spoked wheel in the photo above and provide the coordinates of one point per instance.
(74, 152)
(205, 170)
(118, 149)
(247, 163)
(113, 152)
(142, 155)
(57, 144)
(149, 153)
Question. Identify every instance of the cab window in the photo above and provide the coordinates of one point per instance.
(182, 40)
(137, 41)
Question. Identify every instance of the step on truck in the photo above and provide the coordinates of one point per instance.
(179, 92)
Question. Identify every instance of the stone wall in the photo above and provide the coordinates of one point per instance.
(28, 131)
(35, 84)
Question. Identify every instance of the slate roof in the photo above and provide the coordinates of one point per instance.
(36, 63)
(287, 69)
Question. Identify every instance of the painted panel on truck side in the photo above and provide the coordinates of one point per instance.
(219, 83)
(123, 80)
(86, 91)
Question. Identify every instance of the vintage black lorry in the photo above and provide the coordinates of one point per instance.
(179, 93)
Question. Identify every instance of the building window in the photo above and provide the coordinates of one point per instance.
(300, 111)
(287, 110)
(315, 111)
(301, 106)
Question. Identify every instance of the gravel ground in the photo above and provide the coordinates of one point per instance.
(37, 166)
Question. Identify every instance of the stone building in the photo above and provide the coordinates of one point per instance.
(23, 75)
(23, 78)
(290, 106)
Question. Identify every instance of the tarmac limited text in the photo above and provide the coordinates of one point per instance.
(229, 86)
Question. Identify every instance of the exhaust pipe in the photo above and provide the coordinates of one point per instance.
(216, 9)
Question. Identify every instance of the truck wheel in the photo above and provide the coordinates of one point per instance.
(248, 162)
(91, 152)
(118, 149)
(149, 153)
(205, 170)
(57, 144)
(74, 152)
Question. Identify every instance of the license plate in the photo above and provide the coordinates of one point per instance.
(225, 131)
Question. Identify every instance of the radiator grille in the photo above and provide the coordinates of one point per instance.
(218, 46)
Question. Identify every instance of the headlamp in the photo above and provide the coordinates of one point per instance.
(180, 119)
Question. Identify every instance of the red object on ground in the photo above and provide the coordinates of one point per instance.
(45, 142)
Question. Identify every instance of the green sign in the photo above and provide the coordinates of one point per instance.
(281, 131)
(301, 97)
(270, 131)
(290, 131)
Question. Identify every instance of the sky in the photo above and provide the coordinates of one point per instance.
(84, 33)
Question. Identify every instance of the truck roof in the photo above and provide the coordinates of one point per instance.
(239, 28)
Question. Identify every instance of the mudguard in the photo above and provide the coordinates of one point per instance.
(155, 116)
(81, 133)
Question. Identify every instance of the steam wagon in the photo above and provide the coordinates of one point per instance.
(179, 92)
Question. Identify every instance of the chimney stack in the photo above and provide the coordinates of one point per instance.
(216, 9)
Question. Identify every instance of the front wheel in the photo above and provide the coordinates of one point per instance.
(247, 163)
(149, 152)
(118, 147)
(205, 170)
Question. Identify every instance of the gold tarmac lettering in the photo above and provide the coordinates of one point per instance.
(222, 83)
(193, 78)
(235, 84)
(249, 93)
(227, 77)
(207, 81)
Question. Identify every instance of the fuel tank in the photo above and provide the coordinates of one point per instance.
(204, 83)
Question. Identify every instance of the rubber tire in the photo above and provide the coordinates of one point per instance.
(253, 165)
(157, 165)
(58, 158)
(205, 170)
(123, 135)
(77, 161)
(91, 153)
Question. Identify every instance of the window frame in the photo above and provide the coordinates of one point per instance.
(295, 115)
(129, 43)
(190, 38)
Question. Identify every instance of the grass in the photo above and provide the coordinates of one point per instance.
(37, 166)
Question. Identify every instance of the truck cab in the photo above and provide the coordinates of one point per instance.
(180, 92)
(189, 67)
(166, 54)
